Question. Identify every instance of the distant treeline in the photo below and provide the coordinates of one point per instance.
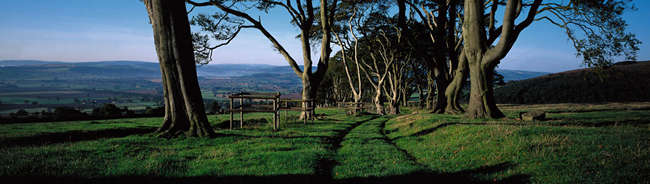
(107, 111)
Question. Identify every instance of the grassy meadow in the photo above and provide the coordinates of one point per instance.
(600, 143)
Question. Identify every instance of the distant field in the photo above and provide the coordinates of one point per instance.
(602, 143)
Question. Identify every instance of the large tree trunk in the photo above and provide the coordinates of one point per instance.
(421, 97)
(308, 93)
(481, 100)
(481, 59)
(430, 93)
(405, 97)
(379, 102)
(455, 87)
(184, 110)
(393, 106)
(357, 103)
(441, 86)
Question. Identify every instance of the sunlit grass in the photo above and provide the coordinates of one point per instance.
(567, 149)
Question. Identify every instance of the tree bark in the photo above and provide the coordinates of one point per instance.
(421, 97)
(481, 100)
(441, 85)
(308, 93)
(184, 110)
(430, 99)
(455, 87)
(378, 100)
(405, 95)
(393, 107)
(480, 59)
(394, 102)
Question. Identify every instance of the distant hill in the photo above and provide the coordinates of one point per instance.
(514, 75)
(623, 82)
(138, 76)
(47, 70)
(24, 62)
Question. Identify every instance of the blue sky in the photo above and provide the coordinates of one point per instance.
(96, 30)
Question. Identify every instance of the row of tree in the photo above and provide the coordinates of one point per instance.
(64, 113)
(106, 111)
(429, 46)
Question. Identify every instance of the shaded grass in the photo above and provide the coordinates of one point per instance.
(294, 149)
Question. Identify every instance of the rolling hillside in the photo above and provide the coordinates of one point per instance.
(49, 70)
(623, 82)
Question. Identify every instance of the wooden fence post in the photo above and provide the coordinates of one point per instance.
(312, 109)
(275, 113)
(241, 112)
(231, 112)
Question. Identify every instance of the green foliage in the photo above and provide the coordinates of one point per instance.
(216, 27)
(213, 108)
(21, 112)
(108, 110)
(597, 30)
(68, 113)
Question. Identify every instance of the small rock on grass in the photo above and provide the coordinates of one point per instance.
(533, 116)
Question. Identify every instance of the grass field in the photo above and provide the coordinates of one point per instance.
(595, 144)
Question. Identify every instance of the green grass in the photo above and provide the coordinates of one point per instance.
(568, 149)
(572, 147)
(255, 150)
(366, 152)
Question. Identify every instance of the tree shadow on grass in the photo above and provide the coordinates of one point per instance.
(466, 176)
(577, 122)
(543, 123)
(323, 172)
(477, 175)
(73, 136)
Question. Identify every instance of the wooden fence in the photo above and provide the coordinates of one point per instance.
(277, 105)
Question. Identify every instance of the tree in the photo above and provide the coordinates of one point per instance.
(107, 111)
(303, 16)
(333, 87)
(68, 113)
(214, 107)
(184, 110)
(352, 44)
(442, 56)
(22, 113)
(599, 21)
(391, 51)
